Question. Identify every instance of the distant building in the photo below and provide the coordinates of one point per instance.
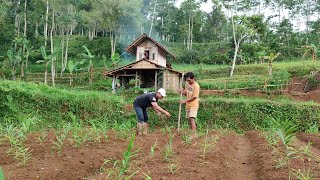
(151, 68)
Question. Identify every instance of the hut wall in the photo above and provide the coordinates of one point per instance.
(144, 65)
(159, 54)
(171, 80)
(162, 58)
(139, 55)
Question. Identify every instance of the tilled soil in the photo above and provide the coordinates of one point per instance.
(220, 154)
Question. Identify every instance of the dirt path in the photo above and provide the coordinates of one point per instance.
(243, 161)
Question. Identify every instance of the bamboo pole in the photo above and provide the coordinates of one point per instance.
(180, 105)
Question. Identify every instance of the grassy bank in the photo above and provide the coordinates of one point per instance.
(52, 105)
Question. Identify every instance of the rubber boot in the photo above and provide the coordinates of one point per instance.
(139, 129)
(145, 128)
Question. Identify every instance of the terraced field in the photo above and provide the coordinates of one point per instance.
(167, 154)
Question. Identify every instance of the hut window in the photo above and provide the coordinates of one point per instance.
(153, 56)
(146, 54)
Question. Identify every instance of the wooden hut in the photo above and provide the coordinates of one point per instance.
(151, 68)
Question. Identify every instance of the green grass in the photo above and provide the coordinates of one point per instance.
(51, 107)
(204, 71)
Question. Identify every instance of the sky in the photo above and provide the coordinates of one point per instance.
(298, 24)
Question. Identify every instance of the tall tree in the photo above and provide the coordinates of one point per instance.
(189, 8)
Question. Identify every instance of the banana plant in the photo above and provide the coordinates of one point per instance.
(71, 68)
(115, 58)
(46, 59)
(15, 58)
(310, 48)
(270, 58)
(87, 62)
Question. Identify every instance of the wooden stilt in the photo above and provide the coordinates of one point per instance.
(156, 80)
(180, 105)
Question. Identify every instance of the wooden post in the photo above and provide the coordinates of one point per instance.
(136, 83)
(155, 80)
(139, 81)
(113, 84)
(180, 106)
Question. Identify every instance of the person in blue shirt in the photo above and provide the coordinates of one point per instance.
(141, 104)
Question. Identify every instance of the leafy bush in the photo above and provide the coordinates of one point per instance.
(53, 104)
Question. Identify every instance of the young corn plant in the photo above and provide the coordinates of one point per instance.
(152, 149)
(168, 151)
(186, 138)
(127, 155)
(104, 127)
(173, 167)
(94, 132)
(120, 168)
(208, 144)
(286, 133)
(146, 176)
(42, 137)
(303, 175)
(306, 174)
(27, 123)
(103, 166)
(20, 153)
(60, 137)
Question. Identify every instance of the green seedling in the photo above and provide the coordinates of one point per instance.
(186, 138)
(21, 153)
(105, 162)
(42, 137)
(303, 175)
(104, 129)
(127, 155)
(168, 152)
(147, 177)
(208, 144)
(79, 136)
(94, 132)
(121, 167)
(172, 167)
(152, 149)
(58, 145)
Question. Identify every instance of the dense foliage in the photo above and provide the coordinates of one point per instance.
(194, 35)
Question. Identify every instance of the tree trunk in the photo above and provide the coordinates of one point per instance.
(188, 39)
(191, 32)
(234, 59)
(17, 23)
(236, 46)
(70, 80)
(62, 52)
(153, 13)
(46, 74)
(25, 27)
(52, 50)
(22, 71)
(66, 52)
(270, 67)
(45, 33)
(36, 33)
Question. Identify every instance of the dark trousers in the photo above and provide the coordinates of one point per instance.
(141, 114)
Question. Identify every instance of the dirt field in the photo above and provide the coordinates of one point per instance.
(228, 156)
